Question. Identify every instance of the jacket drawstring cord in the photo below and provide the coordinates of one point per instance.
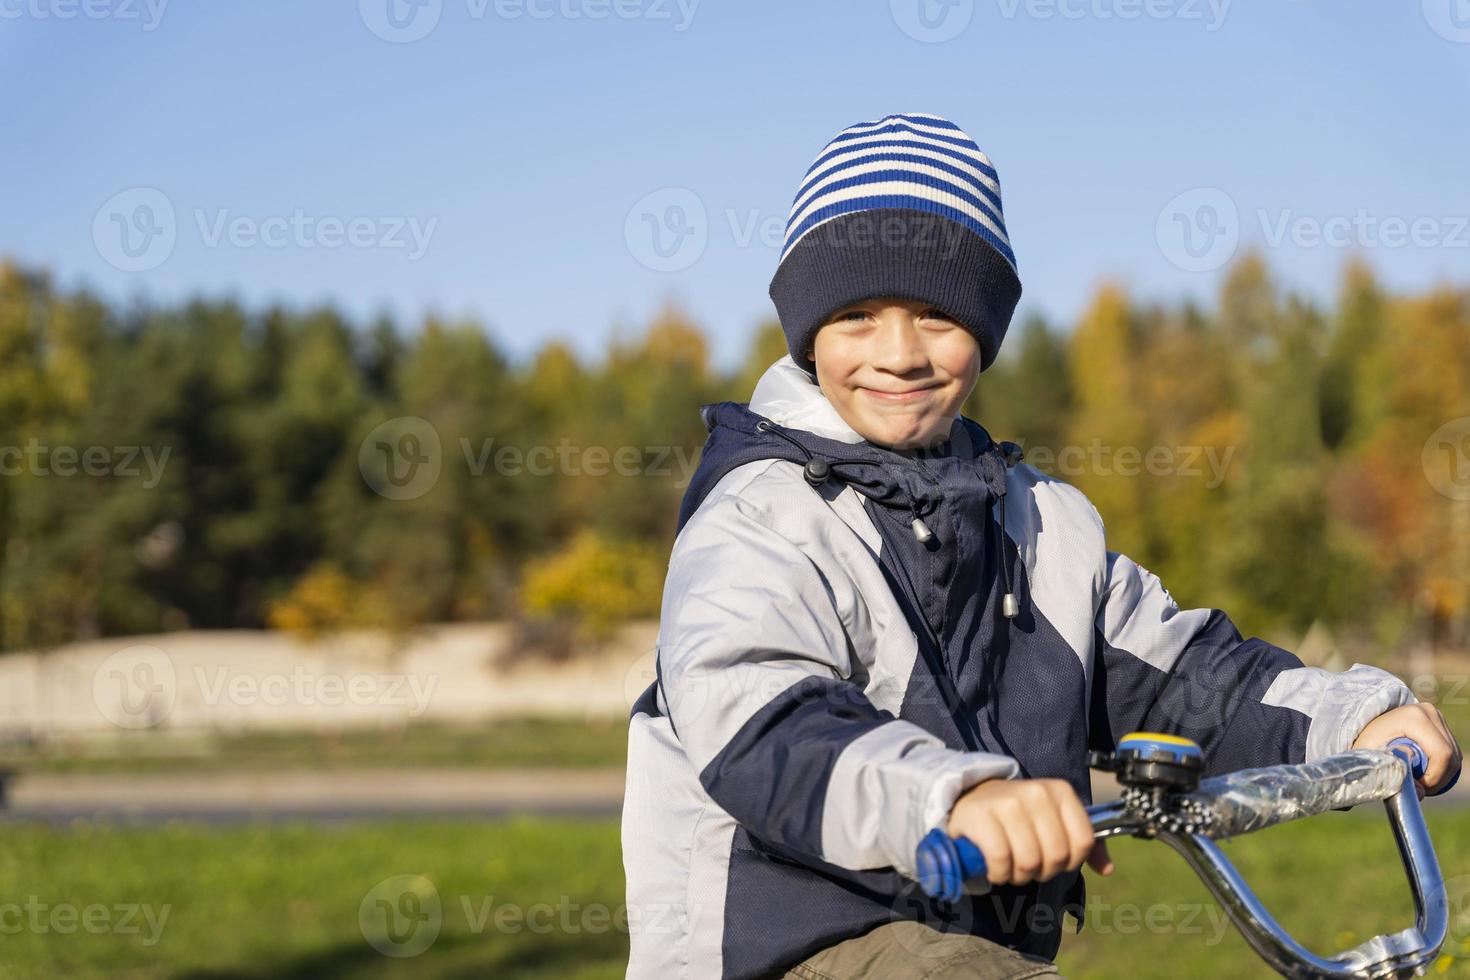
(1010, 606)
(817, 471)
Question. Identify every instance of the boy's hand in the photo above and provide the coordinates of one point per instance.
(1425, 725)
(1027, 829)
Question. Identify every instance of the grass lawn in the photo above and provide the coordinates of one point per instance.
(523, 899)
(512, 743)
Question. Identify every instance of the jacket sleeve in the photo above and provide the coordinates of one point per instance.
(757, 676)
(1189, 672)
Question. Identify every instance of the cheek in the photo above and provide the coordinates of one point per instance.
(834, 360)
(958, 355)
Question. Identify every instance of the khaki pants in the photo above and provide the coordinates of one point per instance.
(914, 951)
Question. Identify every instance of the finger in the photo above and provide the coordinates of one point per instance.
(1025, 847)
(1438, 745)
(1099, 860)
(1078, 827)
(988, 835)
(1051, 835)
(1424, 724)
(1438, 718)
(1456, 757)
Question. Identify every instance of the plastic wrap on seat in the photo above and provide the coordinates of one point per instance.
(1253, 799)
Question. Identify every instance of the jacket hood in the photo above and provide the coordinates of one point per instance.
(789, 417)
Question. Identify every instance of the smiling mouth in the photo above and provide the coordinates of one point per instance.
(898, 396)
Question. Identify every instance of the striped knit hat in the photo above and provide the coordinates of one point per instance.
(906, 206)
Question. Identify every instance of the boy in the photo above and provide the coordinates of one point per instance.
(877, 622)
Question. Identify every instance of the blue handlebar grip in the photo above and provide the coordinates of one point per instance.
(1420, 762)
(945, 863)
(972, 862)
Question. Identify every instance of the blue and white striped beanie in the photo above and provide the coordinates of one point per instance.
(906, 206)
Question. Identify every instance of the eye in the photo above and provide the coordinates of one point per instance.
(852, 315)
(938, 314)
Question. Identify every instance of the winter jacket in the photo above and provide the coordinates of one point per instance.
(828, 684)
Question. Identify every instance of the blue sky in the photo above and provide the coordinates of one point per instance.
(511, 163)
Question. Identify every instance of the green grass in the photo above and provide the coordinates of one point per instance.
(515, 743)
(285, 902)
(251, 903)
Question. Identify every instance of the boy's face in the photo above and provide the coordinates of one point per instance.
(896, 370)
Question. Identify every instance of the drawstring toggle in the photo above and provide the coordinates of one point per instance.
(921, 530)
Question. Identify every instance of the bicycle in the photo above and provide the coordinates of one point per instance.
(1164, 799)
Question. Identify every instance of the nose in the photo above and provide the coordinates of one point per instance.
(900, 349)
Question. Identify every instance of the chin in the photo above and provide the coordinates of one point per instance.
(897, 438)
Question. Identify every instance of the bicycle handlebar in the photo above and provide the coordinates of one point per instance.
(1244, 802)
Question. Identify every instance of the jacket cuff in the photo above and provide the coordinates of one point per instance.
(967, 769)
(1351, 700)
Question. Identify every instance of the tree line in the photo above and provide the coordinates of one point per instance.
(205, 465)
